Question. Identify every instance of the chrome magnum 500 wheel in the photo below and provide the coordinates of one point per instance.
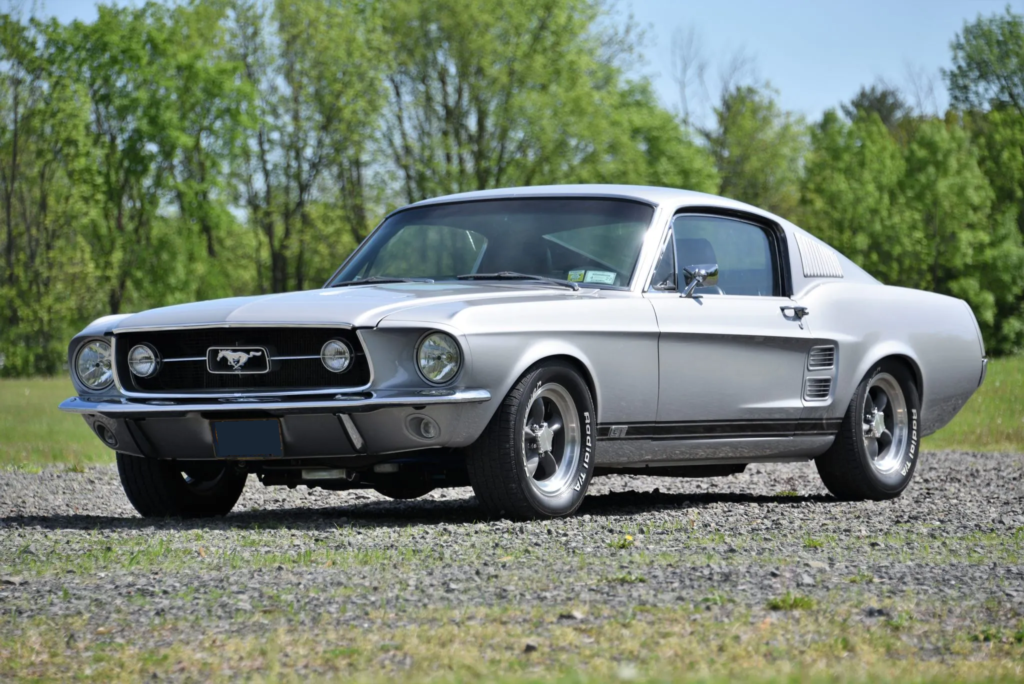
(187, 489)
(536, 457)
(875, 453)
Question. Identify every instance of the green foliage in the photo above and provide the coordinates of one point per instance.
(884, 101)
(758, 149)
(988, 64)
(920, 215)
(167, 152)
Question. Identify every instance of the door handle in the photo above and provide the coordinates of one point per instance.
(795, 311)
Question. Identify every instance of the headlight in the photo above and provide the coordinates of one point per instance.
(93, 367)
(336, 356)
(438, 358)
(143, 360)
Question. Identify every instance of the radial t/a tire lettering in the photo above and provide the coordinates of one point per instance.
(535, 459)
(875, 454)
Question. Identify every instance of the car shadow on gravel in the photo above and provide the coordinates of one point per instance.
(403, 513)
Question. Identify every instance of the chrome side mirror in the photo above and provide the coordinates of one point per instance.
(699, 275)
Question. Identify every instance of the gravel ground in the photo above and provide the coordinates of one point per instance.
(71, 546)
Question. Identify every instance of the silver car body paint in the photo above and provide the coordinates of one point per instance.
(652, 359)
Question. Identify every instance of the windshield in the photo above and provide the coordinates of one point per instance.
(593, 242)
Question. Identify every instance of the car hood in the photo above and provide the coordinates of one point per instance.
(359, 306)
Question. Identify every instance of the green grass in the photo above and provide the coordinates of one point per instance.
(993, 419)
(789, 601)
(34, 433)
(827, 644)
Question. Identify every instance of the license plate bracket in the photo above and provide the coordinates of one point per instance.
(247, 439)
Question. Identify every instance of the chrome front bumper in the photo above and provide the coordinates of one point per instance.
(363, 425)
(340, 403)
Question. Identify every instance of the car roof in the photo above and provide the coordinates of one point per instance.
(644, 193)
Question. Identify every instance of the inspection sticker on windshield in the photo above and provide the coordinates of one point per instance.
(576, 276)
(603, 277)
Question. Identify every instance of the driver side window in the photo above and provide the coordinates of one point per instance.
(741, 250)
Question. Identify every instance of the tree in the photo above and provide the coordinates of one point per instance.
(758, 149)
(852, 198)
(880, 99)
(971, 251)
(316, 68)
(988, 64)
(46, 273)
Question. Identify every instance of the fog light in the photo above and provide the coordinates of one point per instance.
(107, 435)
(336, 356)
(428, 428)
(143, 360)
(385, 468)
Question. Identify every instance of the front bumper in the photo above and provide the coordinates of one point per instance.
(368, 423)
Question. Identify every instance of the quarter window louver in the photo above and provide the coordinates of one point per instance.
(818, 389)
(818, 260)
(821, 358)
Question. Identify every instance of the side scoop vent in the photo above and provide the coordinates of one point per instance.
(821, 358)
(818, 260)
(818, 389)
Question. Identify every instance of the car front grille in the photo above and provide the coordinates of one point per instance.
(183, 366)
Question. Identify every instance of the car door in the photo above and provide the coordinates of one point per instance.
(732, 355)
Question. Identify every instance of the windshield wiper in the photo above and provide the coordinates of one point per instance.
(513, 275)
(378, 280)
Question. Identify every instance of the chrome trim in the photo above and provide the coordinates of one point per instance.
(233, 395)
(353, 432)
(197, 326)
(237, 371)
(334, 404)
(668, 236)
(272, 358)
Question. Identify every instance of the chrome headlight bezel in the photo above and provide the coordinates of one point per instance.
(77, 370)
(155, 360)
(350, 355)
(453, 347)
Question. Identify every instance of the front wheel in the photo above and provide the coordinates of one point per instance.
(536, 456)
(876, 451)
(185, 489)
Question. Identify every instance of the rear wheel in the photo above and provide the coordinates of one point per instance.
(186, 489)
(876, 451)
(536, 457)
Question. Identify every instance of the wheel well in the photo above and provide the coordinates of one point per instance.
(581, 369)
(911, 366)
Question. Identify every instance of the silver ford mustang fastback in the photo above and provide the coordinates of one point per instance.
(524, 341)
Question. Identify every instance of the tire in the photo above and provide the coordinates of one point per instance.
(404, 491)
(511, 472)
(163, 489)
(851, 469)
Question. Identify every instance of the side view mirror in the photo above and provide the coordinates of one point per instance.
(699, 275)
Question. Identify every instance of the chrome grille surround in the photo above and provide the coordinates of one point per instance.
(303, 373)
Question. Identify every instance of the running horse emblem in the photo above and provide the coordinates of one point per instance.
(237, 359)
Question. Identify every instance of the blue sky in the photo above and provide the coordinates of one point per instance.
(817, 53)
